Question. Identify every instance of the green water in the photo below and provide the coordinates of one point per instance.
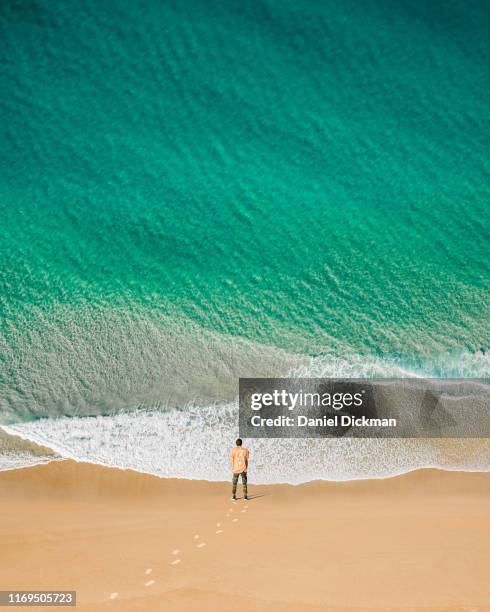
(198, 190)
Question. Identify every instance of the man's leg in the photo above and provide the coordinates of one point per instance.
(234, 481)
(244, 483)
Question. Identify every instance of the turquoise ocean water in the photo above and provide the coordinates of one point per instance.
(191, 191)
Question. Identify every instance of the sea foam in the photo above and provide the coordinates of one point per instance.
(195, 444)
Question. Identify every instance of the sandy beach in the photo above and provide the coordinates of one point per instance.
(128, 541)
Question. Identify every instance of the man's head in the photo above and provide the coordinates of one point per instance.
(238, 442)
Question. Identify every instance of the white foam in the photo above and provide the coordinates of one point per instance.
(18, 452)
(15, 461)
(195, 444)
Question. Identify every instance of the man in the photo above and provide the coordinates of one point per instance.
(239, 464)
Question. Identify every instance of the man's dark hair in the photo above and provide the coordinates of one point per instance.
(239, 442)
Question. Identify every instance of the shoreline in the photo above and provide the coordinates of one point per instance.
(319, 481)
(327, 460)
(417, 541)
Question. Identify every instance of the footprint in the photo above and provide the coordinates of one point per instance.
(175, 562)
(176, 551)
(201, 545)
(113, 595)
(219, 531)
(148, 571)
(149, 583)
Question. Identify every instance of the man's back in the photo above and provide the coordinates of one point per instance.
(239, 459)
